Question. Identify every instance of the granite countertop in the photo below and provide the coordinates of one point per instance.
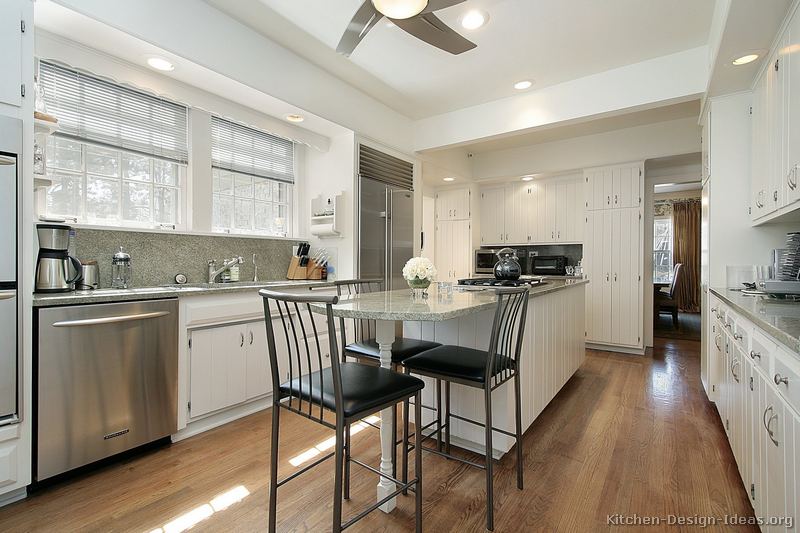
(165, 291)
(401, 305)
(779, 318)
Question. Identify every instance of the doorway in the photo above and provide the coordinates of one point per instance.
(676, 260)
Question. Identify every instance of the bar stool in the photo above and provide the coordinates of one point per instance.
(364, 348)
(351, 391)
(485, 370)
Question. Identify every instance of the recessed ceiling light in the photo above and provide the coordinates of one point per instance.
(448, 179)
(522, 85)
(474, 19)
(527, 178)
(295, 118)
(159, 63)
(749, 58)
(400, 9)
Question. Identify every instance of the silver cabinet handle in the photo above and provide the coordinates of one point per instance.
(506, 236)
(716, 341)
(791, 185)
(242, 339)
(615, 276)
(615, 199)
(768, 424)
(728, 326)
(608, 200)
(108, 319)
(7, 295)
(754, 354)
(6, 160)
(552, 234)
(778, 379)
(775, 196)
(251, 338)
(737, 337)
(606, 277)
(559, 234)
(734, 364)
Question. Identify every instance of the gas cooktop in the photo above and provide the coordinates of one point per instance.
(492, 282)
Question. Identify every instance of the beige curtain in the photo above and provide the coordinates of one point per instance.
(686, 250)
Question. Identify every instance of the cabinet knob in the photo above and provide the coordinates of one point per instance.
(241, 343)
(754, 354)
(778, 379)
(251, 338)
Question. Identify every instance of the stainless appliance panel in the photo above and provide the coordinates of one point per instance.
(8, 216)
(107, 381)
(402, 236)
(372, 230)
(485, 259)
(8, 356)
(553, 265)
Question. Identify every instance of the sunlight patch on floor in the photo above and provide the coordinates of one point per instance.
(329, 443)
(190, 519)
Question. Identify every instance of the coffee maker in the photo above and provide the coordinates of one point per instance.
(56, 270)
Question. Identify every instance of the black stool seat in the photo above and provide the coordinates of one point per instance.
(458, 362)
(402, 348)
(364, 387)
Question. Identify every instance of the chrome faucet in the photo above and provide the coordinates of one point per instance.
(213, 271)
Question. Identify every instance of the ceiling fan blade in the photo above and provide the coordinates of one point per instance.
(436, 5)
(432, 30)
(365, 18)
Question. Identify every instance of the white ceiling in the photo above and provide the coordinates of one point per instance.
(547, 41)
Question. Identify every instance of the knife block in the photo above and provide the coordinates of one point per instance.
(314, 270)
(295, 270)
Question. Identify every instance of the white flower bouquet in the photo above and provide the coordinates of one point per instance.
(419, 272)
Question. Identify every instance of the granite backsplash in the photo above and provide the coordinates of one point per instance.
(158, 257)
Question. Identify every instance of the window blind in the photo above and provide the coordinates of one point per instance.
(94, 110)
(385, 168)
(241, 149)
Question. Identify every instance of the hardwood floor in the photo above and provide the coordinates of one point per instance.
(627, 435)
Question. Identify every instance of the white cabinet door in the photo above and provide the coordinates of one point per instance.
(598, 260)
(626, 186)
(792, 183)
(217, 369)
(551, 210)
(773, 447)
(759, 152)
(589, 179)
(444, 250)
(257, 368)
(453, 204)
(542, 227)
(625, 278)
(492, 216)
(777, 133)
(11, 56)
(462, 249)
(562, 211)
(516, 213)
(577, 213)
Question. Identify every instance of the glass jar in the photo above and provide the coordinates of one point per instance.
(121, 270)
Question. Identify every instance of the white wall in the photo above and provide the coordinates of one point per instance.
(326, 174)
(661, 139)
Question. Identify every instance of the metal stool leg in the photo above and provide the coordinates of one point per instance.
(489, 461)
(439, 415)
(405, 445)
(337, 476)
(347, 463)
(518, 408)
(273, 467)
(417, 460)
(447, 416)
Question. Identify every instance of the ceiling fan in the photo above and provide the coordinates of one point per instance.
(413, 16)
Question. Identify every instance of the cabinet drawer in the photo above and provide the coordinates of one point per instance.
(761, 350)
(741, 332)
(786, 377)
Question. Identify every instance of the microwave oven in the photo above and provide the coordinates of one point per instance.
(485, 259)
(549, 265)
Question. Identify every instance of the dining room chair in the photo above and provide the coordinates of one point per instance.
(359, 343)
(486, 370)
(334, 396)
(669, 302)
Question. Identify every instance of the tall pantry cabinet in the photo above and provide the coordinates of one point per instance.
(453, 254)
(613, 256)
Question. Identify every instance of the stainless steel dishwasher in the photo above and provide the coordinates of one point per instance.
(107, 378)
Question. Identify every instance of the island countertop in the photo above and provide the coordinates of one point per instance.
(436, 307)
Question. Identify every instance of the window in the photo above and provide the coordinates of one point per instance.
(103, 186)
(253, 175)
(662, 250)
(119, 156)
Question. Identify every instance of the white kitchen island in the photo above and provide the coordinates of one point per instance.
(553, 349)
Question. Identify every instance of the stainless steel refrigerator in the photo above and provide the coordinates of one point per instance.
(10, 156)
(386, 232)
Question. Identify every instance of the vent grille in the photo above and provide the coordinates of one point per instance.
(376, 165)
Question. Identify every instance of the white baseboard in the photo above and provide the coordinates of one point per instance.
(632, 350)
(13, 496)
(195, 427)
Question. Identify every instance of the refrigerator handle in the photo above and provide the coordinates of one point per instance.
(388, 240)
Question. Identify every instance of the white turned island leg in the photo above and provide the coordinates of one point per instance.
(385, 337)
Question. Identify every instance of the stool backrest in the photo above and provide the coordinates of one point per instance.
(362, 329)
(508, 329)
(291, 325)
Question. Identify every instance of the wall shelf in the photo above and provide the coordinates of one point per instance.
(325, 216)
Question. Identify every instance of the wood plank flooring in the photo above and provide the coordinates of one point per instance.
(627, 435)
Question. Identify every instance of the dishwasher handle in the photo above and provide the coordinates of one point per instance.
(109, 319)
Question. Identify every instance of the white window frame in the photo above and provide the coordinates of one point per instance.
(671, 249)
(232, 229)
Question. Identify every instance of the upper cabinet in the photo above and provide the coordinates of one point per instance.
(453, 204)
(11, 27)
(775, 127)
(615, 187)
(524, 213)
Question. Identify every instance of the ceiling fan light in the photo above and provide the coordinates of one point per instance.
(400, 9)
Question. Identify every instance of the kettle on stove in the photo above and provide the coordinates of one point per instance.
(508, 265)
